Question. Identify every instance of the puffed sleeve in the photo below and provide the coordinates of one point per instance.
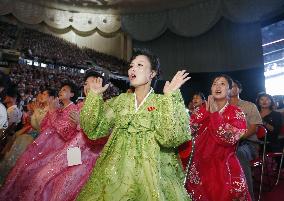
(62, 125)
(228, 128)
(172, 120)
(97, 116)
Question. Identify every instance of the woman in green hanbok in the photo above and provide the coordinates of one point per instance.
(139, 161)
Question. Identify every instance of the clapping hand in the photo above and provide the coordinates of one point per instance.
(178, 80)
(211, 105)
(74, 116)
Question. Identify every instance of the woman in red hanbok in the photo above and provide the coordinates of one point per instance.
(43, 172)
(215, 173)
(184, 150)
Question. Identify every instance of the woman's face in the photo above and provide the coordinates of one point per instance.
(65, 93)
(140, 71)
(220, 88)
(87, 84)
(264, 102)
(44, 97)
(197, 100)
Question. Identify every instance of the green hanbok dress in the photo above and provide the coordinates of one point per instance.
(139, 161)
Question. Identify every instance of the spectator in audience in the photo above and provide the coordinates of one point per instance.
(3, 117)
(13, 112)
(41, 107)
(184, 150)
(7, 35)
(17, 144)
(35, 113)
(5, 82)
(248, 148)
(215, 172)
(3, 111)
(271, 120)
(46, 171)
(198, 99)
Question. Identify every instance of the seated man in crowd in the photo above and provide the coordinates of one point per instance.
(247, 149)
(13, 112)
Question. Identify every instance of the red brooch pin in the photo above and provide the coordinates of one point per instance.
(151, 108)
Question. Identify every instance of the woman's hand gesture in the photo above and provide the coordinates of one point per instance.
(211, 105)
(178, 80)
(96, 85)
(53, 104)
(74, 116)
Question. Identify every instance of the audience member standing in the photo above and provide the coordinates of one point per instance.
(215, 172)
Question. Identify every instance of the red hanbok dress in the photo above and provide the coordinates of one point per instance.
(215, 173)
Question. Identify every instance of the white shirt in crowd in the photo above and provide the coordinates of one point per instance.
(14, 114)
(3, 117)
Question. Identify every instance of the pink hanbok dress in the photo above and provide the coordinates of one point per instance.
(42, 172)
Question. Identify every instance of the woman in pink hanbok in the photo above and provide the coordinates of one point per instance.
(44, 171)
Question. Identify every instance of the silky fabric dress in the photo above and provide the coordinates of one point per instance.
(215, 173)
(42, 172)
(28, 133)
(139, 161)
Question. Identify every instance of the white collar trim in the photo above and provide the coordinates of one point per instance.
(143, 101)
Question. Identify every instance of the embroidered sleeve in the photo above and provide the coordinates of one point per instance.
(172, 121)
(197, 118)
(228, 128)
(64, 127)
(96, 117)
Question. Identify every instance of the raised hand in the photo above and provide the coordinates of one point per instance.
(36, 105)
(178, 80)
(96, 86)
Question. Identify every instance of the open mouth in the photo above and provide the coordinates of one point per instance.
(132, 76)
(218, 92)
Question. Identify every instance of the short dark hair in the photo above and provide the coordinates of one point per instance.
(50, 91)
(227, 77)
(153, 59)
(12, 91)
(262, 94)
(238, 84)
(91, 73)
(73, 89)
(198, 93)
